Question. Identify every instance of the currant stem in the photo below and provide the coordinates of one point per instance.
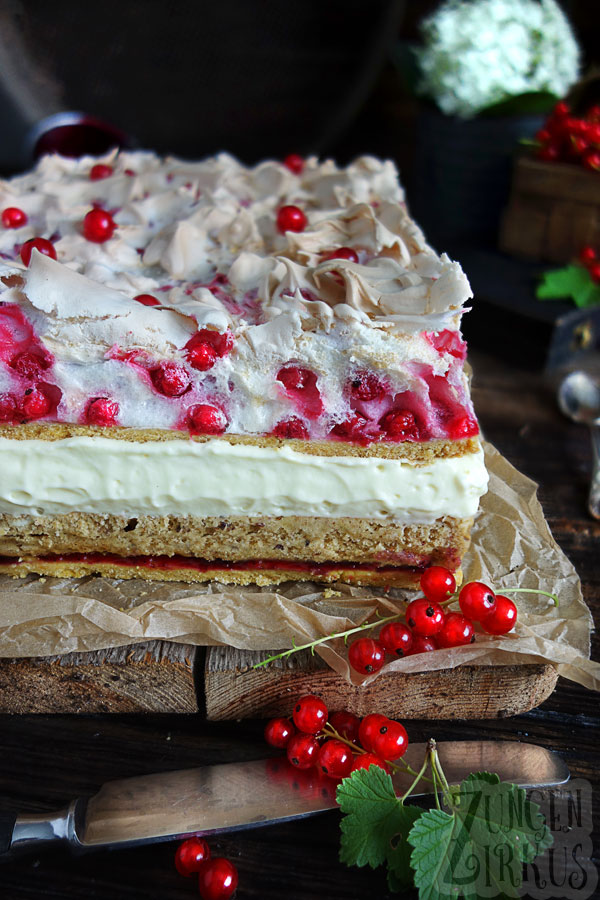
(436, 768)
(435, 787)
(531, 591)
(329, 637)
(418, 776)
(330, 731)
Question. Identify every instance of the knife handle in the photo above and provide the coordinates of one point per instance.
(7, 826)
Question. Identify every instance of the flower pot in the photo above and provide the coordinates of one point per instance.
(462, 174)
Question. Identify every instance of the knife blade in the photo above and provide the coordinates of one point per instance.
(234, 796)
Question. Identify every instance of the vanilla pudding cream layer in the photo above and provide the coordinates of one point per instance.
(217, 478)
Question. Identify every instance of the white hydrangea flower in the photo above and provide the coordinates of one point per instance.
(479, 52)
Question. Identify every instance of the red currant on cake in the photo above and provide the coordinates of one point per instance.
(191, 856)
(476, 600)
(8, 407)
(206, 419)
(30, 363)
(278, 732)
(147, 300)
(397, 638)
(366, 655)
(342, 253)
(400, 425)
(310, 714)
(368, 729)
(335, 759)
(13, 217)
(438, 583)
(291, 428)
(457, 630)
(346, 724)
(366, 760)
(41, 245)
(35, 403)
(100, 171)
(217, 879)
(366, 385)
(390, 740)
(102, 411)
(98, 226)
(202, 357)
(425, 617)
(302, 750)
(291, 218)
(294, 162)
(502, 618)
(170, 379)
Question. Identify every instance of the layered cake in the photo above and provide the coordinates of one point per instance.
(209, 371)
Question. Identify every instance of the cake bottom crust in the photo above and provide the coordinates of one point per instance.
(236, 550)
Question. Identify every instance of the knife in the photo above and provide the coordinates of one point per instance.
(233, 796)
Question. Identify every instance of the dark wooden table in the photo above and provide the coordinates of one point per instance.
(45, 761)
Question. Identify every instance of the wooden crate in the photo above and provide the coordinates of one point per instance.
(554, 209)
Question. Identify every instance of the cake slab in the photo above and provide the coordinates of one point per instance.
(161, 676)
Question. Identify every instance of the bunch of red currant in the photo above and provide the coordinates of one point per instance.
(567, 138)
(217, 877)
(337, 743)
(429, 627)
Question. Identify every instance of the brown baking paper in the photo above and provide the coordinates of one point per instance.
(511, 547)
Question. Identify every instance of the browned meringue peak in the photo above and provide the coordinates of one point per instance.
(80, 319)
(365, 180)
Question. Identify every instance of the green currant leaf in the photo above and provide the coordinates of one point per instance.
(479, 849)
(572, 282)
(376, 824)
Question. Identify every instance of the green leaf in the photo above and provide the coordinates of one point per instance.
(572, 282)
(376, 824)
(530, 103)
(480, 848)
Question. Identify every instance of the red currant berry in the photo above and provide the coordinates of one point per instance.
(400, 425)
(591, 160)
(342, 253)
(368, 729)
(205, 419)
(549, 153)
(102, 411)
(476, 600)
(543, 136)
(291, 428)
(8, 407)
(191, 855)
(39, 244)
(457, 630)
(30, 363)
(100, 171)
(462, 427)
(296, 378)
(425, 617)
(396, 638)
(422, 644)
(366, 655)
(202, 357)
(291, 218)
(13, 217)
(366, 385)
(390, 740)
(594, 271)
(437, 583)
(294, 162)
(588, 255)
(147, 300)
(278, 732)
(561, 109)
(310, 714)
(217, 879)
(129, 172)
(346, 724)
(503, 618)
(170, 379)
(35, 404)
(302, 750)
(366, 760)
(335, 759)
(98, 226)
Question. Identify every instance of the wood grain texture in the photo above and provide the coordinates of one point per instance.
(234, 690)
(156, 676)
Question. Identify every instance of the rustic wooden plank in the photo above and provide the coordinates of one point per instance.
(559, 181)
(234, 690)
(523, 230)
(156, 676)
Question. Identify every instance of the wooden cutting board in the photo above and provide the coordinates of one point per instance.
(159, 676)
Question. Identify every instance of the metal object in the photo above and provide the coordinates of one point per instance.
(234, 796)
(579, 399)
